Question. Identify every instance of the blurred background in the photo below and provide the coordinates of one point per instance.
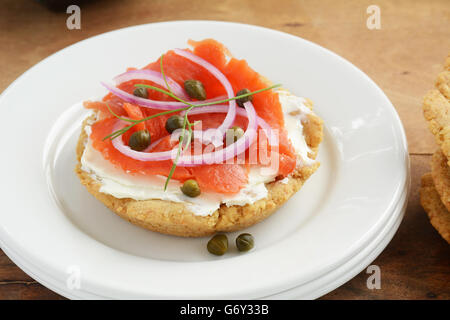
(403, 57)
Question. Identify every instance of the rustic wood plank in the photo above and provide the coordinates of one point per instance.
(26, 291)
(10, 272)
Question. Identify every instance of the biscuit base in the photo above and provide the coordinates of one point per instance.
(435, 111)
(436, 106)
(437, 213)
(176, 219)
(440, 172)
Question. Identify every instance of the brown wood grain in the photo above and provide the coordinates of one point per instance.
(403, 58)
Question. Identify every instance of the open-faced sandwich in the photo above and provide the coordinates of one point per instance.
(197, 142)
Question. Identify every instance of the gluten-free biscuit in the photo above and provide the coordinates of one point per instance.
(441, 177)
(436, 109)
(176, 219)
(443, 83)
(447, 63)
(431, 201)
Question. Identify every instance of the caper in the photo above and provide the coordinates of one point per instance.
(139, 140)
(141, 92)
(237, 133)
(191, 188)
(195, 89)
(218, 244)
(242, 100)
(245, 242)
(174, 123)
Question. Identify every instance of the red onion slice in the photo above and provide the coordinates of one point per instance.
(220, 108)
(220, 156)
(153, 76)
(153, 104)
(231, 114)
(230, 151)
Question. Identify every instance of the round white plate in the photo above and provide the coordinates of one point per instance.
(52, 227)
(310, 290)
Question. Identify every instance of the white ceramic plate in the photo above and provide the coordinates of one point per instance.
(50, 225)
(310, 290)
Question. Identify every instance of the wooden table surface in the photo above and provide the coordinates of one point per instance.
(403, 58)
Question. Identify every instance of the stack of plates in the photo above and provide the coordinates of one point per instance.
(333, 228)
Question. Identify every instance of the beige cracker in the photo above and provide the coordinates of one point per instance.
(441, 177)
(436, 110)
(437, 213)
